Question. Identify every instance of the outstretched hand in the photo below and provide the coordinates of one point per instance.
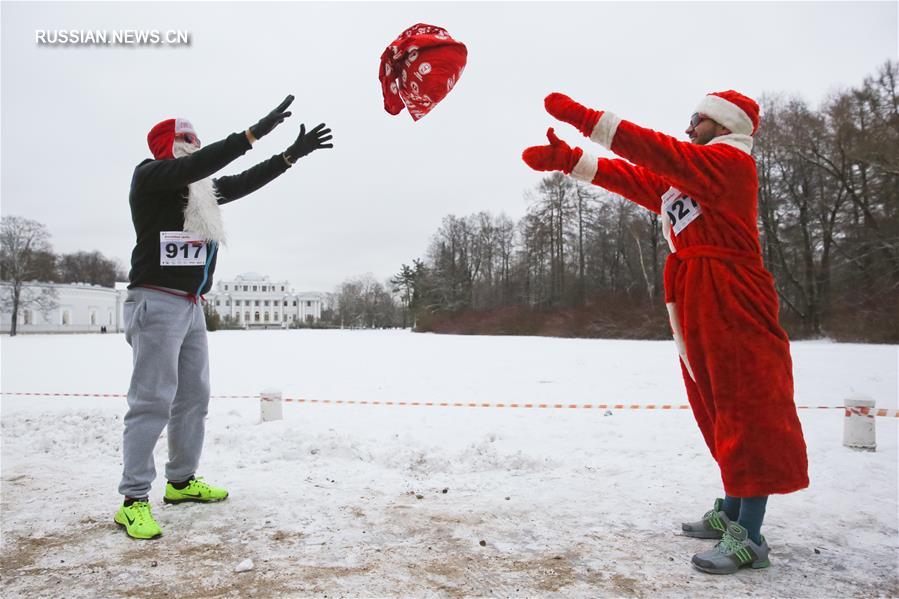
(557, 156)
(272, 119)
(567, 110)
(307, 143)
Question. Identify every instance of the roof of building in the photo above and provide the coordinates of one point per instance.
(251, 276)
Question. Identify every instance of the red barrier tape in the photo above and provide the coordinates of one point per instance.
(869, 412)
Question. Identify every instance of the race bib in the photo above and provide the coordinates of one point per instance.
(680, 209)
(181, 248)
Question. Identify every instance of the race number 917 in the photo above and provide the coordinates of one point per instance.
(181, 248)
(172, 250)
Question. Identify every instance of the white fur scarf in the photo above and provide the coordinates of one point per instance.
(202, 215)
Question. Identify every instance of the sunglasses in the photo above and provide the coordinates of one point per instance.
(189, 138)
(696, 119)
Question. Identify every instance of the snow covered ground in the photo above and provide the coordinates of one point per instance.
(362, 500)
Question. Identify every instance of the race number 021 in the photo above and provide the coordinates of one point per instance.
(680, 209)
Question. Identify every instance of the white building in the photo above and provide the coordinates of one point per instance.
(251, 300)
(81, 308)
(254, 301)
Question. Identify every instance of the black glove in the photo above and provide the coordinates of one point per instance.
(308, 142)
(271, 120)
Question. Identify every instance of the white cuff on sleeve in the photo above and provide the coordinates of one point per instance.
(605, 129)
(585, 169)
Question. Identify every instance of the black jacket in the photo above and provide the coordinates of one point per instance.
(158, 197)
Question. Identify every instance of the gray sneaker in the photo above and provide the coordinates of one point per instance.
(712, 525)
(734, 551)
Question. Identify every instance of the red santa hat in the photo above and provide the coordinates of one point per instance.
(162, 136)
(731, 109)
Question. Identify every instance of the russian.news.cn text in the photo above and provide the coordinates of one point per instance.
(115, 37)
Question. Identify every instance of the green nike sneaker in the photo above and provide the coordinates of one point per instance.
(196, 490)
(712, 525)
(734, 551)
(137, 520)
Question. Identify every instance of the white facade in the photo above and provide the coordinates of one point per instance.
(81, 308)
(253, 300)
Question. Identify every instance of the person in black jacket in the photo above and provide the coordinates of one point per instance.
(175, 208)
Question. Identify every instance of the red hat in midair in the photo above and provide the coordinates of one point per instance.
(420, 68)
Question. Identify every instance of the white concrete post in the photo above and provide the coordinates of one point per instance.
(858, 425)
(270, 405)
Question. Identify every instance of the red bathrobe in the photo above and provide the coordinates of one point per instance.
(735, 357)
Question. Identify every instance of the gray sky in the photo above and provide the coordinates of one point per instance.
(75, 119)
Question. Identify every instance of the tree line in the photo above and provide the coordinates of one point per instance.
(583, 261)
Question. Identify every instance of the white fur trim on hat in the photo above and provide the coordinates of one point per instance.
(725, 113)
(604, 131)
(183, 126)
(585, 169)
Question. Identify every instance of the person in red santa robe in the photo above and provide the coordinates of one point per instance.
(723, 307)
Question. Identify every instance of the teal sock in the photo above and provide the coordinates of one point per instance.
(752, 513)
(731, 507)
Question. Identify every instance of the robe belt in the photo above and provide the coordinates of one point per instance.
(675, 259)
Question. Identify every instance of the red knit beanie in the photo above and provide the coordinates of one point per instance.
(162, 136)
(731, 109)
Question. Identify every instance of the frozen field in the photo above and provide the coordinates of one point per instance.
(363, 500)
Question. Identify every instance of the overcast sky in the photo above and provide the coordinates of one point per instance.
(75, 119)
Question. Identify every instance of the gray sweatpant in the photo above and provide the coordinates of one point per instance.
(169, 386)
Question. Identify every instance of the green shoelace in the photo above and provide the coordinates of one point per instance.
(728, 544)
(199, 484)
(143, 510)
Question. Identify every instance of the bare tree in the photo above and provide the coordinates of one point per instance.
(829, 204)
(23, 244)
(363, 302)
